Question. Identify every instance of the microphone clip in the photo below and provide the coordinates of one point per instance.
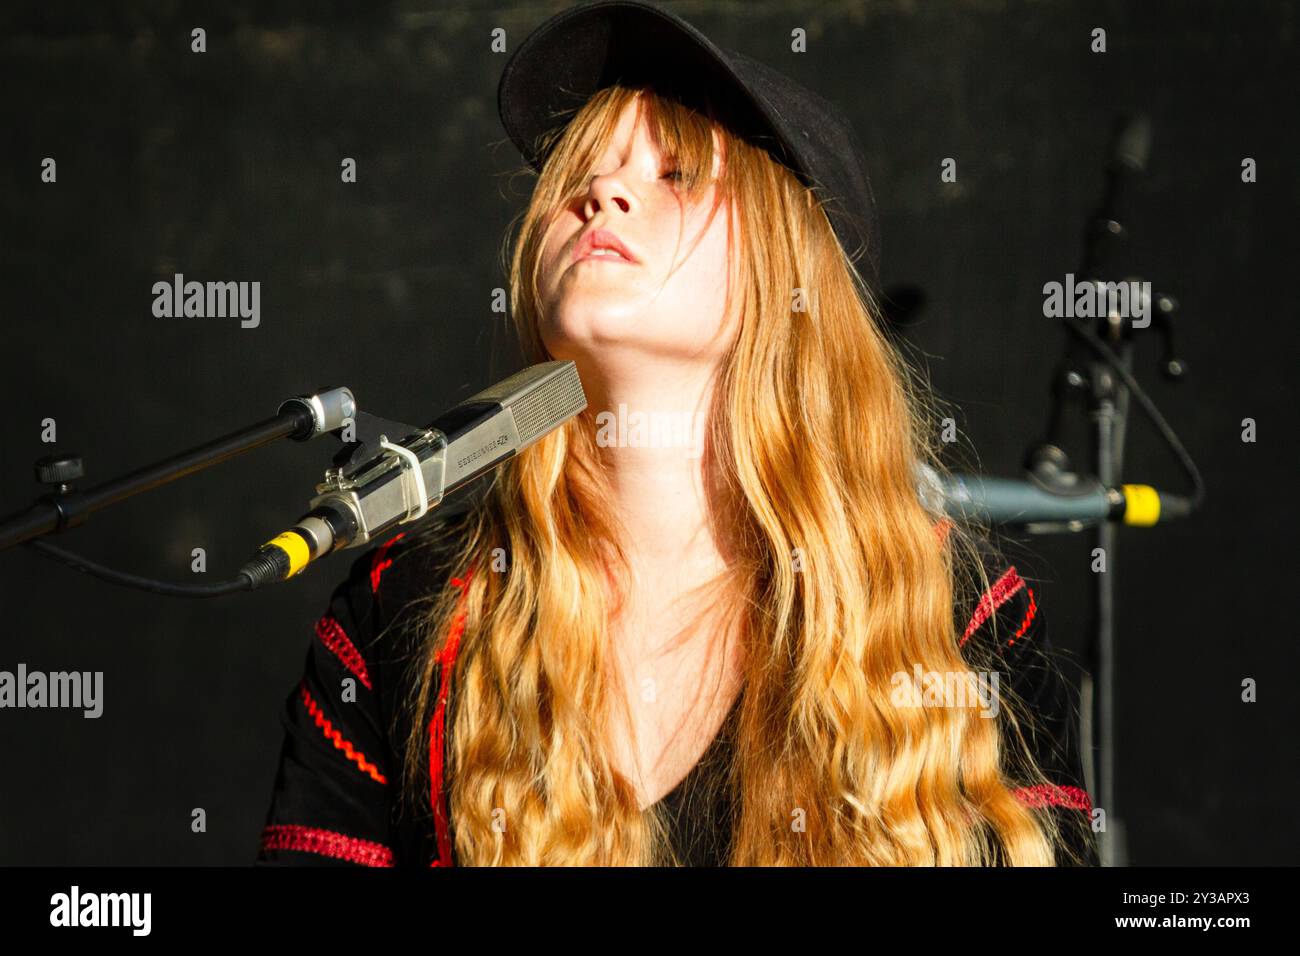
(380, 481)
(369, 434)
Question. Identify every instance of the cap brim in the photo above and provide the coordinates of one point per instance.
(582, 50)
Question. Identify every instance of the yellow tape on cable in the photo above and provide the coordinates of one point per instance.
(293, 545)
(1141, 505)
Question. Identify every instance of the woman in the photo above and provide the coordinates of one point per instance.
(705, 651)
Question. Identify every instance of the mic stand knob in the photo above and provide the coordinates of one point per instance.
(58, 470)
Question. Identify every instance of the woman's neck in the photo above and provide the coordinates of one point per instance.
(651, 432)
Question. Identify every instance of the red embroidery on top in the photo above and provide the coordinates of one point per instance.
(1029, 616)
(326, 843)
(437, 728)
(339, 741)
(333, 636)
(1002, 591)
(1044, 795)
(941, 529)
(382, 562)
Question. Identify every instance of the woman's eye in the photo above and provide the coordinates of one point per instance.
(673, 174)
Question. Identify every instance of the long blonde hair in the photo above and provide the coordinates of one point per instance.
(836, 576)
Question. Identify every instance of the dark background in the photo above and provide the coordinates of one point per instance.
(225, 166)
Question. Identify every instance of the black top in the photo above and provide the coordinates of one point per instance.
(699, 808)
(333, 801)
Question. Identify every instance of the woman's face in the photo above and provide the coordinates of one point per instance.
(610, 307)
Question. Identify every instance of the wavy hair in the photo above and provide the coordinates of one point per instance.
(836, 580)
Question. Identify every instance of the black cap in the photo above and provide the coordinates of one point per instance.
(588, 47)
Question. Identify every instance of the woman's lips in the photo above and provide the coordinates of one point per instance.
(590, 244)
(605, 257)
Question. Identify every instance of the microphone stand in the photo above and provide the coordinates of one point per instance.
(301, 418)
(485, 430)
(1098, 386)
(1108, 411)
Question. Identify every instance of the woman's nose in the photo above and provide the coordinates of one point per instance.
(607, 192)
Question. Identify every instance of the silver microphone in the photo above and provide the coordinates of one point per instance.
(408, 477)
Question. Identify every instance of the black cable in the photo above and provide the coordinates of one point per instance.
(1148, 406)
(219, 589)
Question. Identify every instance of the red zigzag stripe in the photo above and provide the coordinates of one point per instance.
(1029, 616)
(339, 741)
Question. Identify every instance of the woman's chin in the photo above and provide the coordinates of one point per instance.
(590, 325)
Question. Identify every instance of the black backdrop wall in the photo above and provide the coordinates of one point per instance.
(225, 165)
